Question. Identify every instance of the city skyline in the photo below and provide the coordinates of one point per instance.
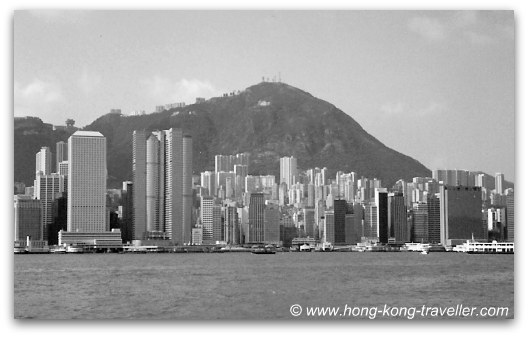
(420, 73)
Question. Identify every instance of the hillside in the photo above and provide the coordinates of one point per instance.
(268, 120)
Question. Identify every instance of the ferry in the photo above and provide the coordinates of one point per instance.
(494, 247)
(262, 250)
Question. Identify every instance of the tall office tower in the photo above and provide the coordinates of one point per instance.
(288, 170)
(309, 223)
(62, 154)
(87, 182)
(380, 197)
(398, 228)
(231, 224)
(340, 211)
(433, 219)
(329, 227)
(139, 173)
(207, 180)
(271, 224)
(283, 194)
(256, 217)
(370, 228)
(178, 186)
(359, 215)
(499, 183)
(187, 188)
(152, 187)
(460, 215)
(27, 218)
(127, 217)
(218, 226)
(206, 215)
(43, 161)
(47, 189)
(510, 215)
(420, 223)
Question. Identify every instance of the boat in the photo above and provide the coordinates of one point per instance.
(494, 247)
(305, 248)
(75, 250)
(424, 252)
(262, 250)
(58, 250)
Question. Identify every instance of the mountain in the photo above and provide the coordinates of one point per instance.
(268, 120)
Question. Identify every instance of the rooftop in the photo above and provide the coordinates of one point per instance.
(88, 134)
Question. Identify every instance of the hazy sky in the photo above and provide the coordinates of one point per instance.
(438, 86)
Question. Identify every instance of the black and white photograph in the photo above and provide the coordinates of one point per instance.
(278, 165)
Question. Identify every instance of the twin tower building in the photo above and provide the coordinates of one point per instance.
(162, 185)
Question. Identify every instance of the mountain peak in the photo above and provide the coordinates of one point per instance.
(269, 120)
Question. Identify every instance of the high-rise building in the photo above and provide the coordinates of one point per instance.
(397, 225)
(460, 215)
(433, 219)
(47, 189)
(340, 211)
(62, 154)
(380, 197)
(420, 222)
(127, 214)
(43, 161)
(231, 225)
(499, 183)
(162, 172)
(271, 224)
(207, 180)
(256, 217)
(27, 218)
(139, 173)
(288, 170)
(87, 182)
(329, 227)
(62, 169)
(206, 215)
(510, 215)
(218, 226)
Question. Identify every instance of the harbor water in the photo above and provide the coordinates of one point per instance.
(249, 286)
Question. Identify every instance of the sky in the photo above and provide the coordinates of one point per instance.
(438, 86)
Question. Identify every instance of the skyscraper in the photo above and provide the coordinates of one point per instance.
(47, 189)
(43, 161)
(27, 218)
(499, 183)
(139, 173)
(380, 197)
(256, 217)
(460, 215)
(288, 170)
(62, 153)
(397, 225)
(340, 210)
(162, 169)
(510, 215)
(87, 182)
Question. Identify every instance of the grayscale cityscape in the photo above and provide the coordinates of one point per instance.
(163, 211)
